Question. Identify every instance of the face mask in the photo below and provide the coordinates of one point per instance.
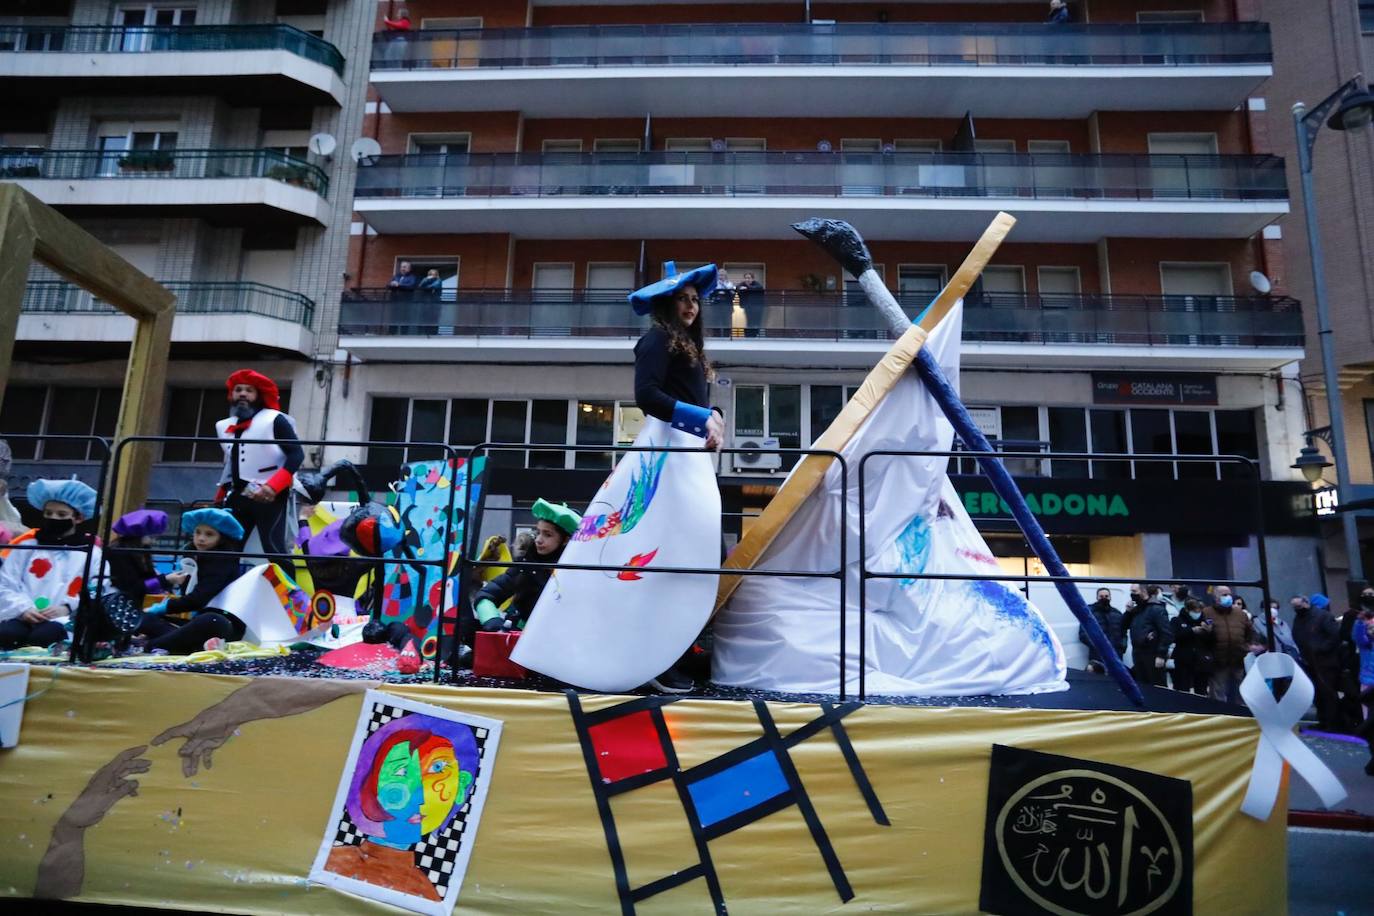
(54, 528)
(242, 410)
(1367, 602)
(1225, 601)
(1196, 615)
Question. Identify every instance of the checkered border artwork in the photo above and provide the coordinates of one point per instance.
(441, 856)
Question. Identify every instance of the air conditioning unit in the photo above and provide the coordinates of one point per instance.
(757, 458)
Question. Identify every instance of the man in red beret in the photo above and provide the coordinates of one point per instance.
(257, 467)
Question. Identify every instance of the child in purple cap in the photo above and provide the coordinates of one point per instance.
(130, 572)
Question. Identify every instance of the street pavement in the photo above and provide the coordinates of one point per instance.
(1331, 872)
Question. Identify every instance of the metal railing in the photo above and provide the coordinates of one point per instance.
(140, 39)
(1228, 321)
(193, 298)
(163, 164)
(838, 44)
(1051, 176)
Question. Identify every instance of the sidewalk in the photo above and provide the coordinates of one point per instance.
(1346, 756)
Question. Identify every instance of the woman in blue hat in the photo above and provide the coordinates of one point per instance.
(672, 373)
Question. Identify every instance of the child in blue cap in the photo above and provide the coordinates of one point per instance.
(216, 538)
(40, 589)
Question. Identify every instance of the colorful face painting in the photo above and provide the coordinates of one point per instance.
(411, 594)
(406, 812)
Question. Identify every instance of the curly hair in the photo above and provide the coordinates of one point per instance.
(688, 340)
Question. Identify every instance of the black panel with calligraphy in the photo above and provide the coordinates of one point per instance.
(1070, 837)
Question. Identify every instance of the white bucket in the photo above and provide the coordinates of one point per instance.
(14, 686)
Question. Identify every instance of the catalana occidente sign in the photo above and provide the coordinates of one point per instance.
(1074, 506)
(1153, 388)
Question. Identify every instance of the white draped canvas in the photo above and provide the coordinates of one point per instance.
(925, 637)
(613, 631)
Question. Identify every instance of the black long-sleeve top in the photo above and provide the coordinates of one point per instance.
(133, 573)
(523, 583)
(663, 377)
(214, 572)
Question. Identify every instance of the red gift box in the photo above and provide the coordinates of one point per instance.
(491, 655)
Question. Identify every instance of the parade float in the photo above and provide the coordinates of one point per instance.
(901, 734)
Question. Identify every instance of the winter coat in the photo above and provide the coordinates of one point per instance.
(1231, 637)
(523, 583)
(214, 572)
(1365, 643)
(1318, 636)
(47, 578)
(1110, 620)
(1151, 619)
(1192, 651)
(133, 573)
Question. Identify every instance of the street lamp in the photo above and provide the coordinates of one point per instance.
(1350, 107)
(1311, 462)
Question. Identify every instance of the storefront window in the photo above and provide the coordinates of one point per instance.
(1237, 435)
(508, 425)
(427, 419)
(1193, 435)
(749, 415)
(595, 426)
(1068, 433)
(467, 421)
(548, 424)
(1109, 438)
(784, 419)
(826, 403)
(1021, 433)
(1150, 435)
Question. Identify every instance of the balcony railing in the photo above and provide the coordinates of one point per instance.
(193, 298)
(842, 44)
(847, 174)
(136, 39)
(1223, 321)
(163, 164)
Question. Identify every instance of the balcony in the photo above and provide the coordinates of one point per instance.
(1056, 197)
(245, 64)
(1086, 331)
(227, 187)
(211, 314)
(996, 70)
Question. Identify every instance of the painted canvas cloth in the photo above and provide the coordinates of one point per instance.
(411, 593)
(925, 637)
(405, 817)
(613, 631)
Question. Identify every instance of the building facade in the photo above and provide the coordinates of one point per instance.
(544, 158)
(180, 134)
(538, 159)
(1317, 47)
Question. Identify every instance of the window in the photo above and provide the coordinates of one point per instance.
(614, 280)
(1237, 435)
(1193, 436)
(561, 146)
(595, 425)
(1151, 435)
(1021, 433)
(135, 148)
(687, 144)
(134, 39)
(1108, 428)
(994, 146)
(294, 143)
(1048, 146)
(1197, 144)
(1194, 280)
(59, 411)
(826, 403)
(552, 281)
(439, 144)
(1059, 286)
(746, 144)
(1366, 16)
(192, 412)
(919, 284)
(917, 146)
(737, 270)
(451, 22)
(615, 145)
(421, 265)
(1068, 433)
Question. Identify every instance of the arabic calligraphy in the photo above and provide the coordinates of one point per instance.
(1078, 841)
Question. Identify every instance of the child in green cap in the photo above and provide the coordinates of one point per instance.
(522, 584)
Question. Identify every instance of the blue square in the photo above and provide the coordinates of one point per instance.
(736, 789)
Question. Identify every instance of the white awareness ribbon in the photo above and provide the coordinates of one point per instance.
(1277, 742)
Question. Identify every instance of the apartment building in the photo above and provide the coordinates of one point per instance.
(207, 142)
(1317, 48)
(542, 158)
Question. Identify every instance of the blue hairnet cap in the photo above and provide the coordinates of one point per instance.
(1320, 601)
(703, 278)
(72, 492)
(219, 519)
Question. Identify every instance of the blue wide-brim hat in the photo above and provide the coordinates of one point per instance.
(644, 300)
(219, 519)
(73, 493)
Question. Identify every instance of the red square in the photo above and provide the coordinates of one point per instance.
(491, 655)
(627, 746)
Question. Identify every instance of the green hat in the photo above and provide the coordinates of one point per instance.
(559, 515)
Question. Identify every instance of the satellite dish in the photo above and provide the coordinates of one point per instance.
(323, 144)
(823, 146)
(1260, 283)
(365, 148)
(718, 146)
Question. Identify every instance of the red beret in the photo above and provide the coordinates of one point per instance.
(267, 389)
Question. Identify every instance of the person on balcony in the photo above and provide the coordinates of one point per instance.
(1059, 12)
(398, 27)
(404, 283)
(261, 455)
(751, 300)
